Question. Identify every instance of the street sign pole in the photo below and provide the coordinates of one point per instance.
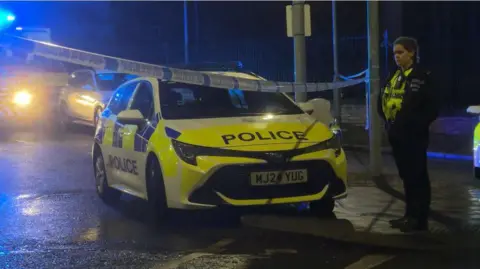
(298, 26)
(185, 32)
(336, 92)
(375, 133)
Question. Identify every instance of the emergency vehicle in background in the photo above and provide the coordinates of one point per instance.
(29, 86)
(196, 147)
(476, 141)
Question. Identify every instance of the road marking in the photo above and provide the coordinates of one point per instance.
(210, 250)
(218, 247)
(370, 261)
(270, 252)
(176, 263)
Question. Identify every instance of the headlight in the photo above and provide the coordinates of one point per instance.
(188, 153)
(22, 98)
(337, 139)
(335, 127)
(335, 143)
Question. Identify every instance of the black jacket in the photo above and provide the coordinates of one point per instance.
(420, 106)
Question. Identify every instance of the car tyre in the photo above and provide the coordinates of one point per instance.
(156, 196)
(108, 194)
(323, 208)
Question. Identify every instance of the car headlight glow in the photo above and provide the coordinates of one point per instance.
(337, 132)
(22, 98)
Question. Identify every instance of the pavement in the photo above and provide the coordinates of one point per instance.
(363, 216)
(50, 217)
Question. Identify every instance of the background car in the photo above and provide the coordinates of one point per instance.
(29, 88)
(84, 97)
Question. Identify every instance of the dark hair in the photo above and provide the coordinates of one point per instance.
(410, 44)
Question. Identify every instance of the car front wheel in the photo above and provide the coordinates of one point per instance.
(106, 193)
(156, 196)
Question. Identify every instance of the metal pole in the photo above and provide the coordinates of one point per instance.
(197, 23)
(387, 48)
(185, 30)
(375, 133)
(298, 25)
(337, 112)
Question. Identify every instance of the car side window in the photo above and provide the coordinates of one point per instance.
(121, 98)
(81, 79)
(143, 100)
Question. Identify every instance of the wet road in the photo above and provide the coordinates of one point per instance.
(50, 217)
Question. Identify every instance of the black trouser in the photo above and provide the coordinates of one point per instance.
(410, 153)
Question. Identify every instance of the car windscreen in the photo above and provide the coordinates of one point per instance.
(111, 81)
(185, 101)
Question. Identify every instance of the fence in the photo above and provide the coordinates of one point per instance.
(273, 59)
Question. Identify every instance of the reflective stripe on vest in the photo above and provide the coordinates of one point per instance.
(393, 94)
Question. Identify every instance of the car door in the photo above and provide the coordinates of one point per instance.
(81, 95)
(135, 138)
(113, 153)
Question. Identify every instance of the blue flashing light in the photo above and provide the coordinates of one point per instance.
(19, 28)
(10, 17)
(447, 156)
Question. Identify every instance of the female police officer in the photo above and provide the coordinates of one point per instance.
(408, 107)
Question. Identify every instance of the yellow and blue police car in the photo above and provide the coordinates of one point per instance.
(184, 146)
(476, 142)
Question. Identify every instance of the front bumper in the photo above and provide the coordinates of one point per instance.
(231, 185)
(228, 182)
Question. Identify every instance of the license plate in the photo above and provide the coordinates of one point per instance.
(278, 177)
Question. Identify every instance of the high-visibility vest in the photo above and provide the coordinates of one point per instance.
(393, 94)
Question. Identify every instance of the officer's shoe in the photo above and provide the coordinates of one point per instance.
(397, 222)
(413, 225)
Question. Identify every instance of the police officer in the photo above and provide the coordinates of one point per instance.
(408, 106)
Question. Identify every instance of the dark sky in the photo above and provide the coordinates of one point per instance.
(213, 20)
(256, 33)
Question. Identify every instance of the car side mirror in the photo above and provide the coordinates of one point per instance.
(318, 108)
(131, 117)
(307, 107)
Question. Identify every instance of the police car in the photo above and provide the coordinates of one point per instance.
(476, 142)
(195, 147)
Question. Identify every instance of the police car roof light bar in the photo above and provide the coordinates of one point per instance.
(233, 66)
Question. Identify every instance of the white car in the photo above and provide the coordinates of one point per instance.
(83, 99)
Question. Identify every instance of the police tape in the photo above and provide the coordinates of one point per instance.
(103, 62)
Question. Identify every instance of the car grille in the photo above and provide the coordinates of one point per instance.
(233, 181)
